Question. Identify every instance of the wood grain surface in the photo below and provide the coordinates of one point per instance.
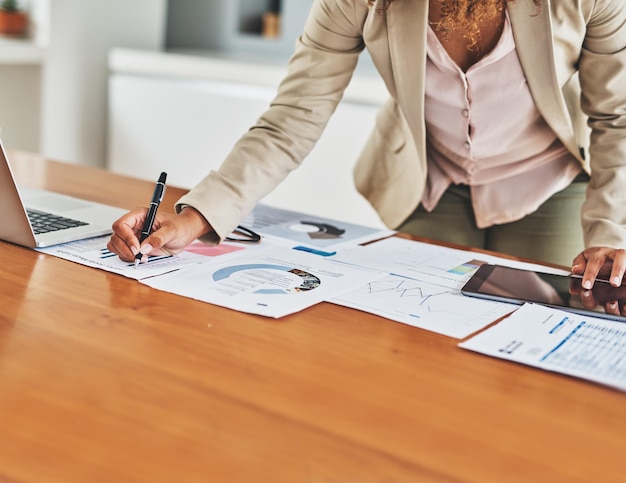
(103, 379)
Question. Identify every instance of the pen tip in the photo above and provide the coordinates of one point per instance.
(136, 263)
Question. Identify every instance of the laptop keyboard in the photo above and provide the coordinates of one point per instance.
(46, 222)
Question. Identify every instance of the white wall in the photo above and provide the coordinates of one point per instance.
(183, 113)
(74, 102)
(20, 85)
(20, 98)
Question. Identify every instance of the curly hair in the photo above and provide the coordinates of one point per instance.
(467, 14)
(463, 13)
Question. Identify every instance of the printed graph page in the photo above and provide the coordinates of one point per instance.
(274, 282)
(558, 341)
(425, 305)
(424, 286)
(94, 253)
(309, 230)
(445, 266)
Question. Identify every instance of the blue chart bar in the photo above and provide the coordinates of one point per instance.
(104, 253)
(153, 259)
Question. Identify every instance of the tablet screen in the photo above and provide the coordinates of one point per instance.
(518, 286)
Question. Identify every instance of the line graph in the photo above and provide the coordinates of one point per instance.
(402, 288)
(423, 304)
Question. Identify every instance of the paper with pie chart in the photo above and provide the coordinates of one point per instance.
(274, 283)
(310, 230)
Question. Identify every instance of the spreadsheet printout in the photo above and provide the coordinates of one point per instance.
(577, 345)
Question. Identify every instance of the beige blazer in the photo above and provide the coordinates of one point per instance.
(562, 46)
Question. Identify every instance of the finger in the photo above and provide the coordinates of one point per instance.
(120, 247)
(594, 265)
(612, 307)
(166, 240)
(587, 299)
(579, 264)
(575, 285)
(619, 266)
(128, 227)
(155, 245)
(133, 219)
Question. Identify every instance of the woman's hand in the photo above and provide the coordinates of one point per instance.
(606, 262)
(611, 299)
(171, 233)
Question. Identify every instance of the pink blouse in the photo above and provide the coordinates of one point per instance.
(485, 131)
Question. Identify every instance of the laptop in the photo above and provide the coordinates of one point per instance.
(39, 218)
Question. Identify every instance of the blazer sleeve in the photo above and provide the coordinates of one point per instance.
(602, 70)
(318, 72)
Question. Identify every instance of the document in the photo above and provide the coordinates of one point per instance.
(275, 282)
(427, 262)
(310, 230)
(554, 340)
(425, 305)
(94, 253)
(423, 288)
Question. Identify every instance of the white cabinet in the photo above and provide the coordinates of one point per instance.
(182, 114)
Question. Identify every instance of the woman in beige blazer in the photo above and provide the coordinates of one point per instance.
(561, 44)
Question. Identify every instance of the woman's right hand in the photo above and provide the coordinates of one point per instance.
(171, 234)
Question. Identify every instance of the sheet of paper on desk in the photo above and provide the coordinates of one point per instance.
(424, 288)
(310, 230)
(554, 340)
(425, 305)
(93, 253)
(427, 262)
(274, 282)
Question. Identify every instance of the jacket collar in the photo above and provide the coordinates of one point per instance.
(532, 31)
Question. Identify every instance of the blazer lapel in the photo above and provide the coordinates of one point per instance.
(407, 24)
(535, 49)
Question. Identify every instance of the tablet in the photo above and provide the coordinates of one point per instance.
(514, 285)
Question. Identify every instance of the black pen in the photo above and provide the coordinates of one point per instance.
(157, 196)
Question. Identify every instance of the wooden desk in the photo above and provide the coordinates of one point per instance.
(105, 379)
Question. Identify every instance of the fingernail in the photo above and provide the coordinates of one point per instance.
(145, 249)
(616, 281)
(134, 250)
(587, 284)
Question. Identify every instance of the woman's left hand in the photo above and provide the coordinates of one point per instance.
(600, 261)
